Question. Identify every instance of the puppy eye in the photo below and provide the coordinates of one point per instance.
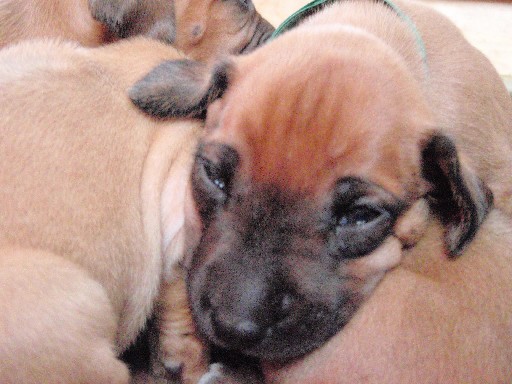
(215, 175)
(357, 216)
(358, 230)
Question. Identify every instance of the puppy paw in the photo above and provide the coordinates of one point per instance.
(181, 355)
(185, 363)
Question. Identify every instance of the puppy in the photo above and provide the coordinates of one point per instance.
(327, 154)
(201, 28)
(91, 204)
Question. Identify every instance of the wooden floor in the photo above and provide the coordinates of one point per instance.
(486, 24)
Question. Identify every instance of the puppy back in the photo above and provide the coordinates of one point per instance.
(73, 149)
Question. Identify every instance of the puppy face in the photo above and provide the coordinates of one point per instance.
(313, 174)
(201, 28)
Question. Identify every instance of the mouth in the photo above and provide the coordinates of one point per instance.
(278, 343)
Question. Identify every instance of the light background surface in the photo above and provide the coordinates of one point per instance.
(486, 24)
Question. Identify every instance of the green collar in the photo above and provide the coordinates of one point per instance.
(296, 17)
(317, 5)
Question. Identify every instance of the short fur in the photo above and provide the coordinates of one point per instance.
(201, 28)
(92, 197)
(331, 155)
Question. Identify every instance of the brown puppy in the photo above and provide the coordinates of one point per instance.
(91, 204)
(328, 154)
(201, 28)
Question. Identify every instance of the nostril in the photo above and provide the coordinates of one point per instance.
(242, 333)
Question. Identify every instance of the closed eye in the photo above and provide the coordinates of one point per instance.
(357, 216)
(214, 174)
(360, 229)
(361, 217)
(212, 177)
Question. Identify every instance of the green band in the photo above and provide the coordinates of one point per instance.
(307, 10)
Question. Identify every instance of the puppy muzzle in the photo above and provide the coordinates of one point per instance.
(261, 315)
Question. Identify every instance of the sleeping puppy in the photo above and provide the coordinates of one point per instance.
(200, 28)
(326, 155)
(91, 204)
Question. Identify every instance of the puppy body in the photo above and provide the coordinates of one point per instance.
(70, 20)
(201, 28)
(91, 197)
(328, 158)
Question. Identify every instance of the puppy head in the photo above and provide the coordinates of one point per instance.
(318, 166)
(200, 28)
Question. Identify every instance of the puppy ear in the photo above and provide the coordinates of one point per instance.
(126, 18)
(115, 14)
(460, 198)
(180, 88)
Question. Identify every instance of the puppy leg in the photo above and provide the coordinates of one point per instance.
(56, 323)
(180, 352)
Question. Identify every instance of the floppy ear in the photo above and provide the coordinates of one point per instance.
(460, 198)
(180, 88)
(115, 14)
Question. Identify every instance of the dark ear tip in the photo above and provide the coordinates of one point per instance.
(460, 197)
(105, 12)
(160, 105)
(220, 76)
(456, 247)
(439, 146)
(145, 101)
(170, 90)
(180, 88)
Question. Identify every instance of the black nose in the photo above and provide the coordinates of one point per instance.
(237, 333)
(249, 326)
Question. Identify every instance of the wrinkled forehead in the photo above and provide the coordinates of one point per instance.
(304, 116)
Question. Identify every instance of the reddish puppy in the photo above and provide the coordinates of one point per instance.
(366, 138)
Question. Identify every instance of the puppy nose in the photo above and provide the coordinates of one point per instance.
(241, 332)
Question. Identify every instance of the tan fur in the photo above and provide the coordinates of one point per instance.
(177, 334)
(201, 28)
(90, 188)
(69, 19)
